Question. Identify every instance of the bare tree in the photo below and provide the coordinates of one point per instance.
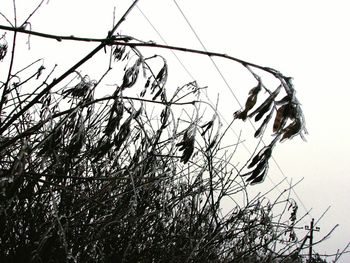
(87, 178)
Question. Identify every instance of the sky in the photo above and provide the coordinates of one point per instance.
(307, 40)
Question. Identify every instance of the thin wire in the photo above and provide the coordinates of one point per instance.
(205, 49)
(191, 76)
(232, 92)
(227, 84)
(165, 42)
(189, 73)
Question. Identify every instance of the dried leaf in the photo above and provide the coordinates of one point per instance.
(131, 75)
(250, 103)
(260, 178)
(164, 116)
(147, 84)
(253, 95)
(242, 115)
(79, 90)
(160, 81)
(262, 157)
(292, 129)
(280, 118)
(188, 150)
(116, 115)
(265, 106)
(257, 171)
(187, 145)
(118, 52)
(255, 160)
(122, 134)
(159, 92)
(264, 110)
(283, 101)
(259, 131)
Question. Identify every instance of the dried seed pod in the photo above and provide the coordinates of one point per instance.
(118, 52)
(292, 129)
(266, 105)
(250, 103)
(259, 131)
(280, 118)
(131, 75)
(187, 144)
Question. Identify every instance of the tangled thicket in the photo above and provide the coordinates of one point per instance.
(121, 178)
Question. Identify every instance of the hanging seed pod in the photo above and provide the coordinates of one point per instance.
(131, 75)
(187, 145)
(280, 118)
(250, 103)
(292, 129)
(159, 82)
(265, 106)
(259, 131)
(118, 52)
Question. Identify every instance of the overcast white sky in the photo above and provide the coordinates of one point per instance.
(308, 40)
